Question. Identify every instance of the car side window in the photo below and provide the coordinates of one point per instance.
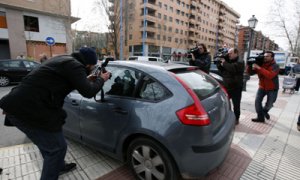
(152, 90)
(15, 64)
(122, 82)
(152, 59)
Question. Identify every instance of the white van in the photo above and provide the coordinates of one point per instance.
(145, 58)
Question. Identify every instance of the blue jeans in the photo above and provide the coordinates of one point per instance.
(52, 146)
(271, 98)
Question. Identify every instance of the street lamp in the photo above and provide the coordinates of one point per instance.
(252, 24)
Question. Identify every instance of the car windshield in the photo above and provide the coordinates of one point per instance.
(202, 84)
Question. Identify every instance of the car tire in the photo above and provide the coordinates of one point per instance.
(4, 81)
(142, 153)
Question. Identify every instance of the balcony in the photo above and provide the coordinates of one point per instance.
(150, 40)
(149, 5)
(148, 28)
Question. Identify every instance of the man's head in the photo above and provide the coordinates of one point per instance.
(268, 56)
(233, 53)
(202, 48)
(90, 57)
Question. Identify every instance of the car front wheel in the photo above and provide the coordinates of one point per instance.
(4, 81)
(149, 161)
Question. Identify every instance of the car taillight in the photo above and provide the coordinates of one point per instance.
(193, 114)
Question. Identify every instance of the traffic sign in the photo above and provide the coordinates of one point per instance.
(50, 41)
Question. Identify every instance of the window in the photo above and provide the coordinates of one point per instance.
(152, 90)
(171, 9)
(165, 17)
(122, 82)
(130, 36)
(31, 23)
(3, 23)
(159, 15)
(160, 4)
(170, 39)
(158, 37)
(170, 19)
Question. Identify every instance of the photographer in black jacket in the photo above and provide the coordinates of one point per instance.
(35, 105)
(201, 58)
(232, 71)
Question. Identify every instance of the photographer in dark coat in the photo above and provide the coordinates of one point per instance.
(35, 105)
(201, 58)
(232, 71)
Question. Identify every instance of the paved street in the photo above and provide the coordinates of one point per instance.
(259, 151)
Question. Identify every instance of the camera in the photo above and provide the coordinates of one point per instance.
(259, 60)
(194, 51)
(221, 54)
(102, 67)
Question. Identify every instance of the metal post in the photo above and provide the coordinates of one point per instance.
(144, 28)
(121, 29)
(250, 43)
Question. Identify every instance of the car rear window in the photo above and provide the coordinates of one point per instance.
(202, 84)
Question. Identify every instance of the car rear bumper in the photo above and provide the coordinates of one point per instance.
(200, 160)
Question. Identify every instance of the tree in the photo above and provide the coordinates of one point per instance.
(285, 17)
(111, 12)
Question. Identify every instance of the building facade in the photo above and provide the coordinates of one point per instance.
(167, 27)
(259, 41)
(25, 26)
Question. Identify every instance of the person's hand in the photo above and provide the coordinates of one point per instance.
(255, 66)
(222, 61)
(105, 76)
(193, 57)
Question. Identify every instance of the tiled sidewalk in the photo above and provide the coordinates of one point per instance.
(258, 151)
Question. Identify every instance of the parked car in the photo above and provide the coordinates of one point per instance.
(166, 120)
(13, 70)
(145, 58)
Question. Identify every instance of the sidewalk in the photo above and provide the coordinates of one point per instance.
(258, 151)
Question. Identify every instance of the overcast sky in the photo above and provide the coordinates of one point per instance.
(91, 19)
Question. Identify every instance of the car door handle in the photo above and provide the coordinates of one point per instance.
(120, 110)
(74, 103)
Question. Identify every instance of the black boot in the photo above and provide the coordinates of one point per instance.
(68, 167)
(258, 120)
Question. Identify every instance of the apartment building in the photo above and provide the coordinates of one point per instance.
(259, 41)
(25, 25)
(167, 27)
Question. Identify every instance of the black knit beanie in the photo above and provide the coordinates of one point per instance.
(89, 55)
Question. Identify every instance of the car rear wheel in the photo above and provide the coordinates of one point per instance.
(4, 81)
(149, 161)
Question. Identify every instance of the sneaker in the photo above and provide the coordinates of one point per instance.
(2, 169)
(68, 167)
(258, 120)
(298, 127)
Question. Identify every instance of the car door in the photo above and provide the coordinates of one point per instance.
(72, 107)
(16, 70)
(102, 122)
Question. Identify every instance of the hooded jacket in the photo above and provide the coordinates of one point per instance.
(39, 98)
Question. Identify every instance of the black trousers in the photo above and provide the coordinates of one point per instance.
(297, 84)
(236, 96)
